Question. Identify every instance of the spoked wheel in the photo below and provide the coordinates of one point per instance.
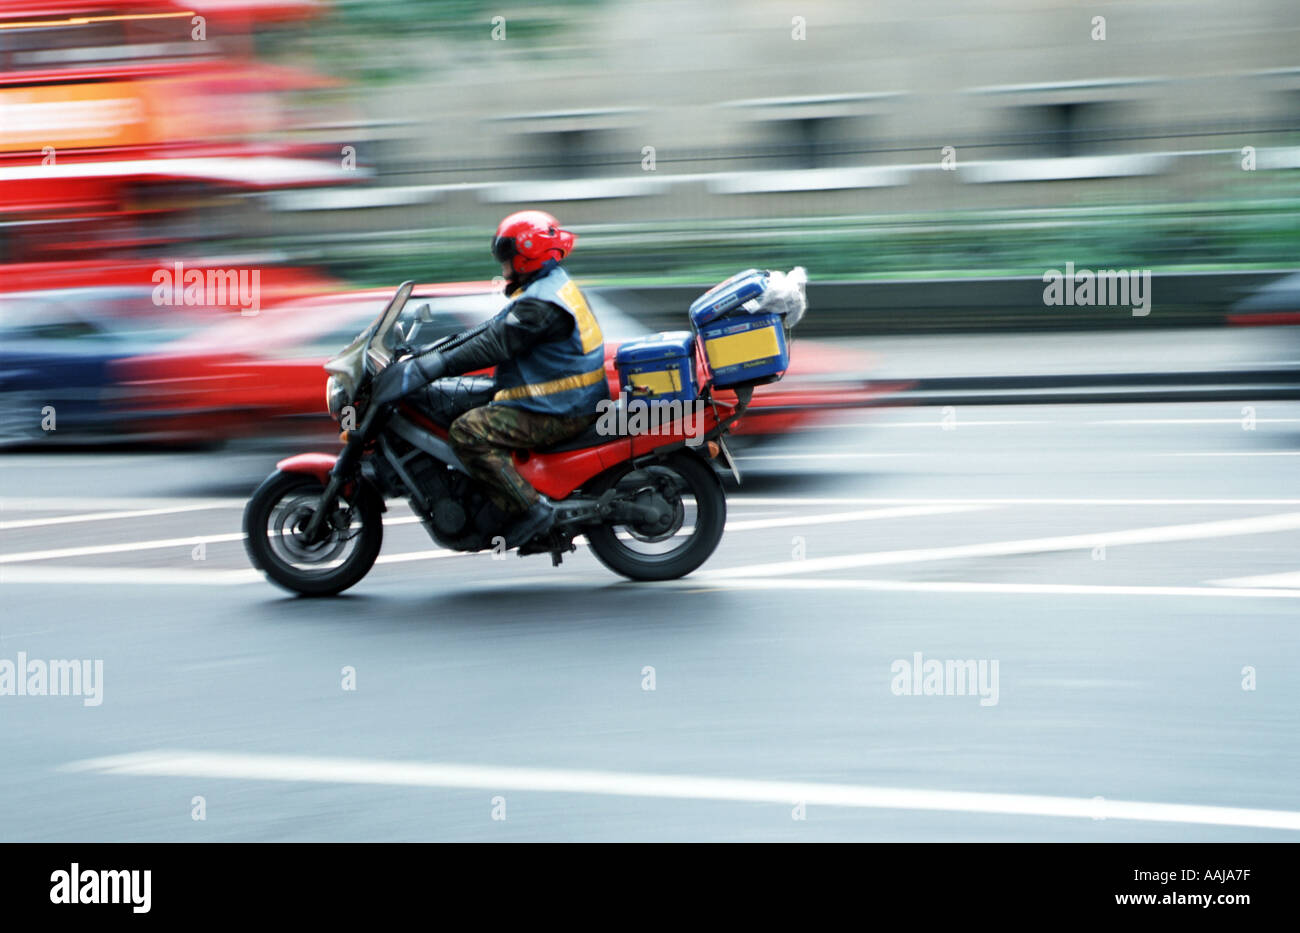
(693, 510)
(275, 522)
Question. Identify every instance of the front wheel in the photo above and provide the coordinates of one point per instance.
(275, 520)
(698, 507)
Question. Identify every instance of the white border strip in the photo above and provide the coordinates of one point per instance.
(742, 499)
(971, 587)
(106, 516)
(1262, 524)
(231, 766)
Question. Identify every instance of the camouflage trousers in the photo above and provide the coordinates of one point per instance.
(483, 438)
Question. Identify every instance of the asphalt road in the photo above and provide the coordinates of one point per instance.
(1122, 565)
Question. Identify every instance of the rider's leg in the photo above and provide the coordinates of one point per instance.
(483, 438)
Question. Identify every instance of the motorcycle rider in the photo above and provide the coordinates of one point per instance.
(550, 358)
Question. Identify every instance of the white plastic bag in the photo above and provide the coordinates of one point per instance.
(784, 295)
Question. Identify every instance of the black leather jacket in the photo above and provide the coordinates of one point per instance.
(529, 323)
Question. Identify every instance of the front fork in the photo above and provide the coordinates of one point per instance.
(343, 471)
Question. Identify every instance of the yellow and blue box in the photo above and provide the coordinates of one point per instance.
(728, 296)
(659, 368)
(745, 348)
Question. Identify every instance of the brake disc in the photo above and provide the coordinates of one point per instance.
(294, 518)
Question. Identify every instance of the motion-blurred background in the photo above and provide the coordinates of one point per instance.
(202, 201)
(928, 163)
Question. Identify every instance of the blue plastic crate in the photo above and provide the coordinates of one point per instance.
(728, 296)
(659, 368)
(749, 348)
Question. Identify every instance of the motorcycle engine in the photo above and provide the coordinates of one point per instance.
(448, 517)
(461, 516)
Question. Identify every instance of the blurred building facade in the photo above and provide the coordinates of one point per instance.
(877, 137)
(767, 109)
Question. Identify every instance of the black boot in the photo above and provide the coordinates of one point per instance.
(538, 520)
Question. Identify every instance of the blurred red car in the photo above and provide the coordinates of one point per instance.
(258, 374)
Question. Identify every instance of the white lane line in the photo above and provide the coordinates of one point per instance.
(860, 515)
(95, 505)
(431, 554)
(751, 525)
(90, 549)
(1264, 524)
(169, 576)
(1238, 421)
(744, 499)
(695, 584)
(73, 504)
(156, 544)
(294, 768)
(106, 516)
(958, 423)
(18, 461)
(853, 455)
(1231, 453)
(128, 576)
(942, 425)
(858, 455)
(1268, 579)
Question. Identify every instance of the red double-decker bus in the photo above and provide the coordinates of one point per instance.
(129, 127)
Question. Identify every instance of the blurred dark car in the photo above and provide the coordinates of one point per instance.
(64, 354)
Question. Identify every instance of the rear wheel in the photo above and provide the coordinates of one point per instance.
(697, 513)
(275, 521)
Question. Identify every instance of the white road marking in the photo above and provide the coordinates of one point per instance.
(744, 499)
(955, 586)
(958, 423)
(861, 515)
(854, 455)
(1264, 524)
(302, 769)
(431, 554)
(90, 549)
(156, 544)
(22, 461)
(106, 516)
(751, 525)
(860, 455)
(1238, 421)
(71, 503)
(942, 425)
(1268, 579)
(129, 576)
(1231, 453)
(94, 505)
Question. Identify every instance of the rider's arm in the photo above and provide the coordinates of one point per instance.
(519, 327)
(526, 323)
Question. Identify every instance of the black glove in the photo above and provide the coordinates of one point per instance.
(406, 376)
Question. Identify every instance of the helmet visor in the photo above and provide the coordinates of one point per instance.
(503, 248)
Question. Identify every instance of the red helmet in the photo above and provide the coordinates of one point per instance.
(528, 239)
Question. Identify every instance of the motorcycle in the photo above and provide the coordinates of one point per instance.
(651, 505)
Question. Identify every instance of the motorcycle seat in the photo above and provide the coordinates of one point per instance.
(590, 437)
